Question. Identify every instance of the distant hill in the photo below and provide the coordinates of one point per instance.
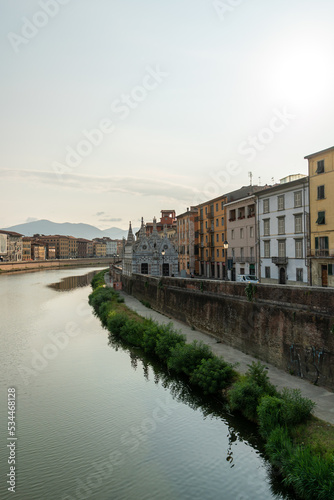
(80, 230)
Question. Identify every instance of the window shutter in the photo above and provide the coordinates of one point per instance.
(316, 243)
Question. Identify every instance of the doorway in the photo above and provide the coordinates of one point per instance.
(324, 275)
(282, 276)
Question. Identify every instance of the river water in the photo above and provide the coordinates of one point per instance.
(95, 421)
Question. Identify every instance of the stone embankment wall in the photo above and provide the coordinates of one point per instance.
(289, 327)
(33, 265)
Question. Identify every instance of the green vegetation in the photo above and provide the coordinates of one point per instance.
(299, 446)
(250, 291)
(146, 304)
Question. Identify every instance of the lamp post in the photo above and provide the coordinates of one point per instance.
(163, 261)
(225, 248)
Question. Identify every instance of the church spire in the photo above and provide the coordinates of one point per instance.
(130, 239)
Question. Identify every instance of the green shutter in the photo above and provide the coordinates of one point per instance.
(326, 242)
(316, 243)
(330, 269)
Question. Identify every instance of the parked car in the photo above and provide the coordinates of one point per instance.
(247, 278)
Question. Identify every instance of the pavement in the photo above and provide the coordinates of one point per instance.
(323, 398)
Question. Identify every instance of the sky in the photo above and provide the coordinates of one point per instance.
(114, 110)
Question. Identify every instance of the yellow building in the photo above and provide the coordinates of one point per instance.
(186, 242)
(321, 194)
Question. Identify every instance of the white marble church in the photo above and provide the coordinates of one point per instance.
(154, 255)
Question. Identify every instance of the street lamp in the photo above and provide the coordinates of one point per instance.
(225, 245)
(163, 261)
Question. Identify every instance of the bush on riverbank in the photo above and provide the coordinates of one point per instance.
(291, 434)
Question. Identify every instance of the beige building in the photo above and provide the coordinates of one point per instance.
(186, 241)
(242, 250)
(321, 195)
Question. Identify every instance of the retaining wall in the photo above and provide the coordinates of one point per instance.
(289, 327)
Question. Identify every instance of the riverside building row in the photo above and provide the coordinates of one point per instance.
(15, 247)
(282, 233)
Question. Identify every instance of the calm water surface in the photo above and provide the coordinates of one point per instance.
(95, 421)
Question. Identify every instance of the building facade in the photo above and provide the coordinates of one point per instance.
(186, 241)
(12, 244)
(149, 254)
(243, 255)
(283, 221)
(321, 192)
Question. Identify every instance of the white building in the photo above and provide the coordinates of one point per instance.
(283, 226)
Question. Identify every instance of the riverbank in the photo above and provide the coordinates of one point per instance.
(35, 265)
(299, 445)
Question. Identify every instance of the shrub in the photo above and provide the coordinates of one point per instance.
(258, 374)
(150, 336)
(185, 358)
(104, 311)
(115, 322)
(245, 396)
(100, 295)
(132, 332)
(269, 413)
(167, 340)
(297, 409)
(212, 375)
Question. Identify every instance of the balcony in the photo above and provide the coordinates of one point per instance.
(210, 215)
(321, 253)
(250, 260)
(280, 261)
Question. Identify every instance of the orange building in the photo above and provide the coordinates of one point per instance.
(186, 241)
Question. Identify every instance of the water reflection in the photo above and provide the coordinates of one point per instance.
(240, 430)
(73, 282)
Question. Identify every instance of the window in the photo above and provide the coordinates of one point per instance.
(321, 218)
(217, 237)
(241, 253)
(206, 224)
(232, 234)
(297, 199)
(280, 202)
(222, 205)
(206, 252)
(298, 223)
(266, 206)
(266, 227)
(144, 268)
(299, 274)
(217, 252)
(251, 252)
(216, 207)
(281, 248)
(320, 167)
(267, 272)
(299, 249)
(217, 222)
(251, 232)
(281, 225)
(321, 192)
(241, 233)
(321, 246)
(267, 249)
(222, 221)
(223, 236)
(206, 210)
(330, 270)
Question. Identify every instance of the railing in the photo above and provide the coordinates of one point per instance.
(250, 260)
(279, 261)
(321, 253)
(210, 215)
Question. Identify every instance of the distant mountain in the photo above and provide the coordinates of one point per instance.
(80, 230)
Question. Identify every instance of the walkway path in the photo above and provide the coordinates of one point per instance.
(324, 399)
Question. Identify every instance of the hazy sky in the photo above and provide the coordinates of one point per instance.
(115, 109)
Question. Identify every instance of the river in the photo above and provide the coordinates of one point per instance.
(95, 421)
